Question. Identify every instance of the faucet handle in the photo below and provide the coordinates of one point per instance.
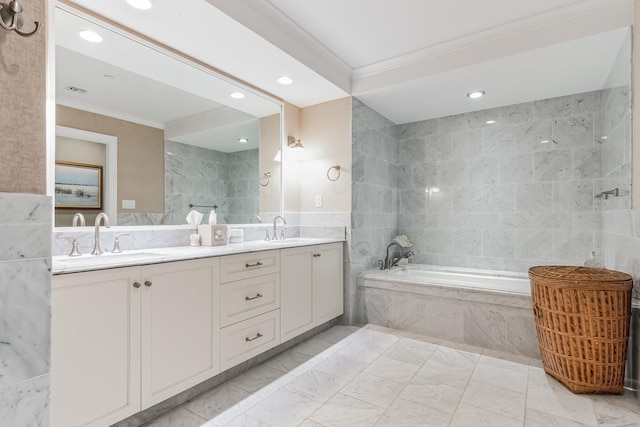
(266, 237)
(116, 243)
(282, 234)
(74, 245)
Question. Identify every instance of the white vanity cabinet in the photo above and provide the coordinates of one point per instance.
(125, 339)
(180, 327)
(95, 347)
(311, 287)
(249, 305)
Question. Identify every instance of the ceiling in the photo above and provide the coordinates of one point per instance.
(410, 59)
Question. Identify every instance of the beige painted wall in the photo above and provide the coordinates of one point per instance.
(269, 146)
(23, 93)
(635, 108)
(140, 156)
(325, 132)
(291, 184)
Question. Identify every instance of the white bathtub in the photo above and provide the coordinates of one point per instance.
(491, 281)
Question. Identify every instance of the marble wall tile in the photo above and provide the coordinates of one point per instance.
(552, 221)
(516, 168)
(26, 403)
(498, 243)
(536, 198)
(516, 113)
(573, 196)
(529, 134)
(467, 242)
(482, 170)
(572, 246)
(516, 221)
(573, 131)
(586, 163)
(467, 144)
(534, 244)
(552, 165)
(498, 140)
(500, 198)
(521, 335)
(588, 102)
(553, 107)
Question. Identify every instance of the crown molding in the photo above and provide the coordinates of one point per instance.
(560, 25)
(274, 26)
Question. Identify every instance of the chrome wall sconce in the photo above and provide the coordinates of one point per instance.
(10, 18)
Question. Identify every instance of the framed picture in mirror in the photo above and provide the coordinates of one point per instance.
(78, 186)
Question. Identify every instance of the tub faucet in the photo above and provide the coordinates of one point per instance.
(99, 218)
(78, 220)
(390, 261)
(275, 221)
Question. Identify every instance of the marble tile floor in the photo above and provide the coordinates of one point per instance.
(375, 376)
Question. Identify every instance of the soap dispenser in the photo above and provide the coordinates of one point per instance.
(593, 261)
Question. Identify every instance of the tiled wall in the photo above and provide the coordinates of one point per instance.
(507, 201)
(25, 309)
(374, 194)
(199, 176)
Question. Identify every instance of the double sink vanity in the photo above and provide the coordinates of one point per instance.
(131, 330)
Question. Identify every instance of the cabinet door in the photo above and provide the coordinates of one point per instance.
(180, 327)
(95, 347)
(327, 282)
(296, 294)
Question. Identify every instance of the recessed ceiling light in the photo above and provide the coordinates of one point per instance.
(237, 95)
(243, 140)
(285, 80)
(544, 141)
(476, 94)
(140, 4)
(490, 122)
(604, 138)
(90, 36)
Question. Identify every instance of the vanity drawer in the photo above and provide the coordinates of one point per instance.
(247, 298)
(244, 266)
(244, 340)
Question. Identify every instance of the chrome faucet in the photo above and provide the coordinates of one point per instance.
(389, 261)
(78, 218)
(99, 218)
(275, 221)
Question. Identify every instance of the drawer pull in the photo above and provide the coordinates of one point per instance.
(136, 285)
(148, 283)
(254, 338)
(257, 264)
(258, 295)
(317, 255)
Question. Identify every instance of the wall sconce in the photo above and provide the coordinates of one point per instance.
(10, 18)
(298, 149)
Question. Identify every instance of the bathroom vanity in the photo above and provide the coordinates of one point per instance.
(132, 330)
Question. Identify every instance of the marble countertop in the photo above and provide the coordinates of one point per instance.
(65, 264)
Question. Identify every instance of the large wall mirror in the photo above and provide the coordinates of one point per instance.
(169, 135)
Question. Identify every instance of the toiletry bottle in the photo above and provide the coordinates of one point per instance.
(593, 261)
(194, 239)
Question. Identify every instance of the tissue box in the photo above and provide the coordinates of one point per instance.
(213, 235)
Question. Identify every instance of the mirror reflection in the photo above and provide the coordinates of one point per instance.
(170, 135)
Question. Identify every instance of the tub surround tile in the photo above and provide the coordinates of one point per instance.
(487, 328)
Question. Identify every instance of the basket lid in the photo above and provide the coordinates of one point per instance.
(579, 274)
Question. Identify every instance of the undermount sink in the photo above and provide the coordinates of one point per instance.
(96, 259)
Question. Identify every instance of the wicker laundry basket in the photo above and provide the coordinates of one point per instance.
(582, 321)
